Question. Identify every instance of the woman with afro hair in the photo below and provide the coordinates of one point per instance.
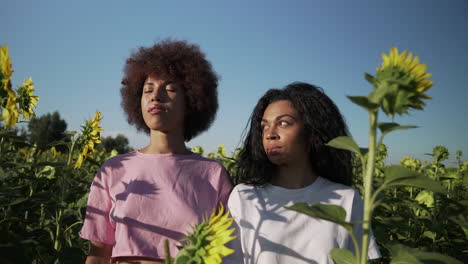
(284, 160)
(139, 199)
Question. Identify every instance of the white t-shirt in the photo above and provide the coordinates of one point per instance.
(269, 233)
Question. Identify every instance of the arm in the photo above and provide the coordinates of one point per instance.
(99, 253)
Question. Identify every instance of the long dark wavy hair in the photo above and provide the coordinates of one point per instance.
(322, 122)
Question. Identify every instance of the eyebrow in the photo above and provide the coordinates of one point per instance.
(162, 84)
(281, 116)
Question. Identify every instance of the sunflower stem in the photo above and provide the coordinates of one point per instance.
(368, 203)
(71, 151)
(168, 258)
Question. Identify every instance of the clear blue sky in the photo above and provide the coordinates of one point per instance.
(75, 51)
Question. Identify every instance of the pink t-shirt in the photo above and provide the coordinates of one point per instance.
(138, 200)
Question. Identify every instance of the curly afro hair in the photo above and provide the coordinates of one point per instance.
(322, 122)
(177, 61)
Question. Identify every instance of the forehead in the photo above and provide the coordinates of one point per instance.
(278, 108)
(154, 79)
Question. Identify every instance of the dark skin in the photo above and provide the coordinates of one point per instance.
(286, 146)
(163, 109)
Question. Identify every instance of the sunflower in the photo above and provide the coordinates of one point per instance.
(5, 70)
(27, 101)
(10, 112)
(10, 109)
(400, 83)
(206, 245)
(89, 138)
(410, 163)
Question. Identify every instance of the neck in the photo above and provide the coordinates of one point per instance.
(294, 176)
(163, 143)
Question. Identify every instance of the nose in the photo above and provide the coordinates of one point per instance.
(156, 96)
(270, 134)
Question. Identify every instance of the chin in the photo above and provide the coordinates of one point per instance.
(278, 161)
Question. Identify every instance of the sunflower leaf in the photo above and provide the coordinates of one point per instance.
(346, 143)
(401, 176)
(386, 128)
(328, 212)
(403, 255)
(364, 102)
(369, 78)
(342, 256)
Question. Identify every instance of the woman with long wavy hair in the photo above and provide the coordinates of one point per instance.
(285, 160)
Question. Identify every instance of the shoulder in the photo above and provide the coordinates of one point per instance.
(243, 188)
(238, 197)
(112, 166)
(329, 186)
(213, 167)
(120, 159)
(242, 193)
(206, 161)
(339, 194)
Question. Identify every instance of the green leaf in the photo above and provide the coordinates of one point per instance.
(71, 133)
(57, 143)
(18, 201)
(462, 221)
(425, 197)
(346, 143)
(364, 102)
(386, 128)
(46, 172)
(429, 234)
(29, 241)
(450, 176)
(52, 164)
(328, 212)
(369, 78)
(377, 96)
(401, 176)
(403, 255)
(342, 256)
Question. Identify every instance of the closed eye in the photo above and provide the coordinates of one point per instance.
(170, 86)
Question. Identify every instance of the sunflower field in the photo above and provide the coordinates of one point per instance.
(420, 217)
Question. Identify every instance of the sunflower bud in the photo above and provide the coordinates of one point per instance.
(411, 163)
(400, 83)
(27, 101)
(89, 138)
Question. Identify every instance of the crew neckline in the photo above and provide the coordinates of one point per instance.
(285, 191)
(162, 155)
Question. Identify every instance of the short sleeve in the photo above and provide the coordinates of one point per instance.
(356, 216)
(98, 225)
(235, 244)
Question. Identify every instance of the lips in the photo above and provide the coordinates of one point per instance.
(157, 109)
(273, 150)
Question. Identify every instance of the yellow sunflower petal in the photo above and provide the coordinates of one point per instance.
(215, 259)
(386, 60)
(394, 55)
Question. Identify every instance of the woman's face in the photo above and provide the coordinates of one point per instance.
(163, 105)
(283, 134)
